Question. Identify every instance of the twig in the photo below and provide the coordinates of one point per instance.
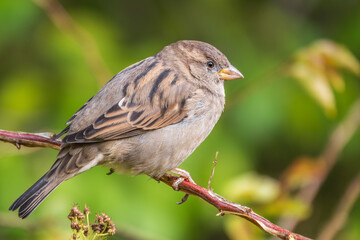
(213, 172)
(342, 211)
(223, 205)
(29, 139)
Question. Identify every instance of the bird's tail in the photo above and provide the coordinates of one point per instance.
(71, 161)
(31, 199)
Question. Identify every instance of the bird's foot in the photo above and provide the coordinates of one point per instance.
(184, 175)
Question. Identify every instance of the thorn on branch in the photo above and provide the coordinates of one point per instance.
(220, 213)
(183, 199)
(17, 145)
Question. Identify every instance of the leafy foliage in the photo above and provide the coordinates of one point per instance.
(270, 121)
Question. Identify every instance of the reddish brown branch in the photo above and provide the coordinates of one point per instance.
(223, 205)
(29, 139)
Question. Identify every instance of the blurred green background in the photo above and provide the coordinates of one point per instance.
(50, 65)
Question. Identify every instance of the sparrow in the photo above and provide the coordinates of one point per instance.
(146, 120)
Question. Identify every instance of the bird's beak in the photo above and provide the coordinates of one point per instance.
(230, 73)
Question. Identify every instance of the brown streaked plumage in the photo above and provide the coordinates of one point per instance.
(146, 120)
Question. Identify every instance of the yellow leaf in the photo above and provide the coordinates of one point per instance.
(338, 55)
(318, 69)
(316, 84)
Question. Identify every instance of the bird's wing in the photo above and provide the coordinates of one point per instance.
(112, 92)
(154, 101)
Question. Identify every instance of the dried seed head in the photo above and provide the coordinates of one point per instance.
(71, 217)
(86, 230)
(96, 228)
(86, 210)
(73, 225)
(111, 231)
(106, 218)
(80, 215)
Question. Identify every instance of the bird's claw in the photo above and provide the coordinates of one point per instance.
(111, 171)
(184, 175)
(183, 199)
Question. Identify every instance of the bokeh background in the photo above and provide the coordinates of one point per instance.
(278, 137)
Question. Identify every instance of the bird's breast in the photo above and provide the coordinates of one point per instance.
(158, 151)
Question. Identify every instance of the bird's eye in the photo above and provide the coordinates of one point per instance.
(210, 64)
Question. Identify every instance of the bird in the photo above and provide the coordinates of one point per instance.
(147, 119)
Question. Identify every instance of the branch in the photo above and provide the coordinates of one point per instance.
(226, 206)
(29, 139)
(223, 205)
